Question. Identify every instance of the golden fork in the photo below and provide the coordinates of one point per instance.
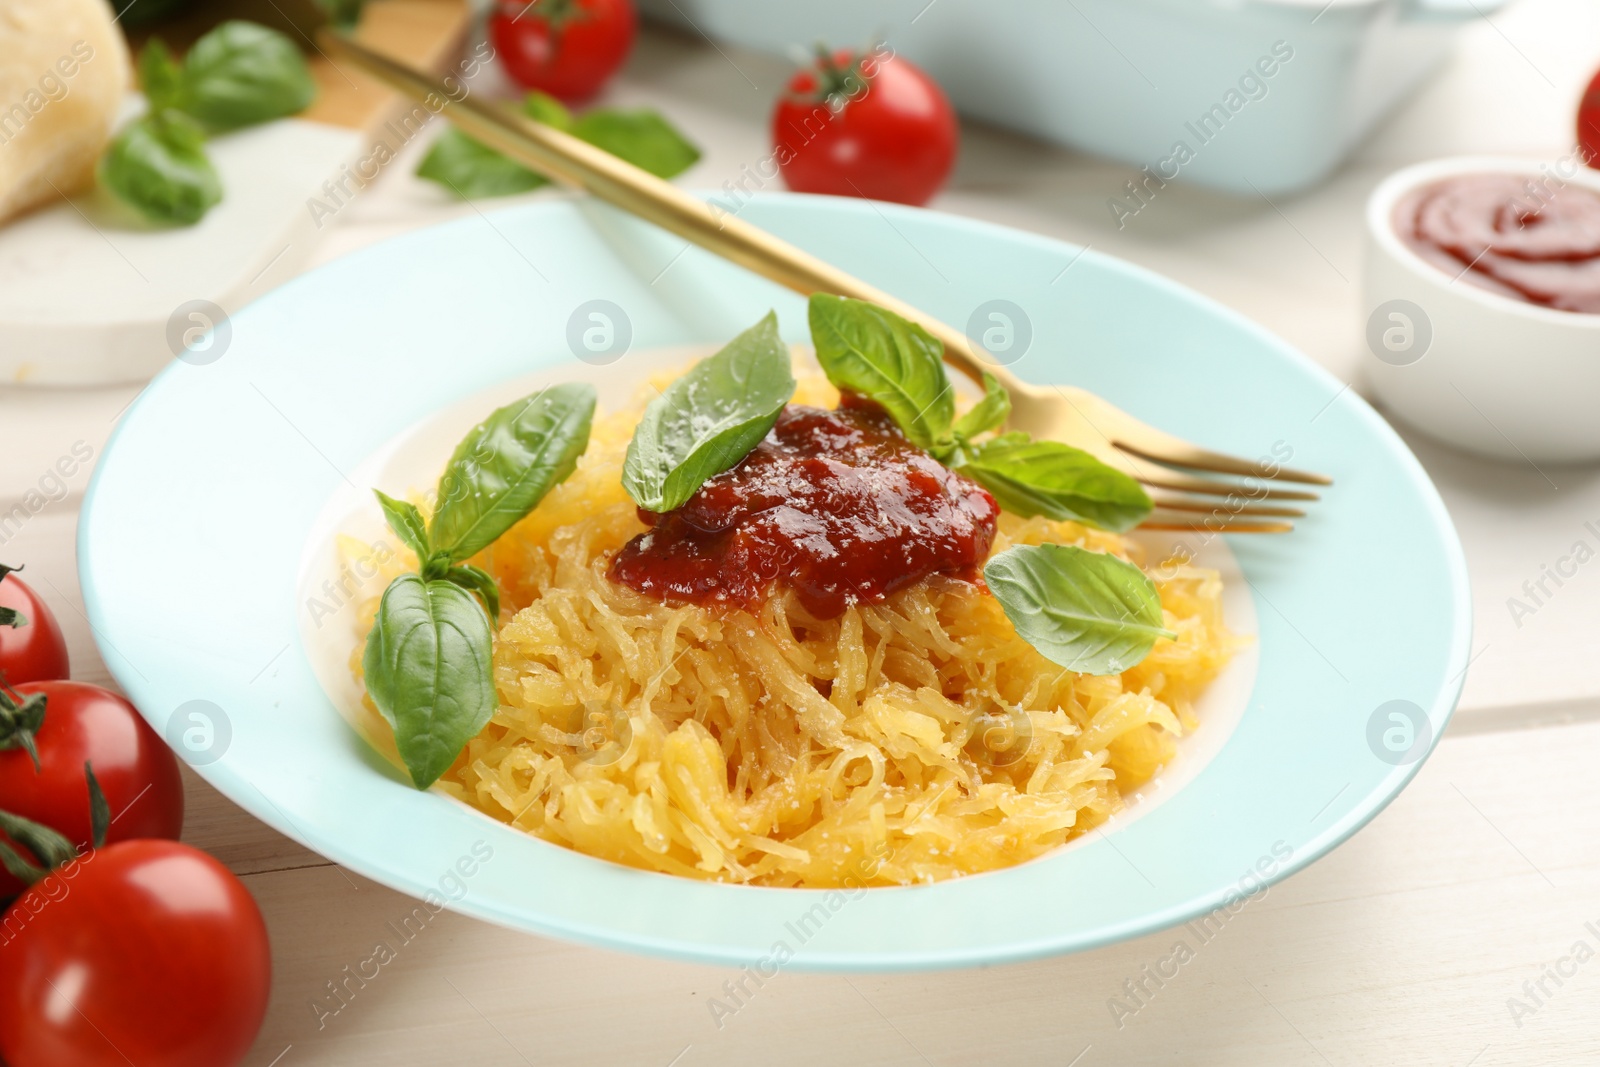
(1166, 465)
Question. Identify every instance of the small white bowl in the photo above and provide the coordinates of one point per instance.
(1485, 372)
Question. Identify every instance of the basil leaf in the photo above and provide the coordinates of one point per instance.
(158, 165)
(865, 349)
(1086, 611)
(242, 73)
(709, 419)
(478, 581)
(990, 413)
(642, 137)
(429, 669)
(1057, 481)
(542, 107)
(504, 467)
(472, 169)
(160, 77)
(406, 522)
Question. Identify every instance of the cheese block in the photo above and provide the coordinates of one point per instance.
(63, 71)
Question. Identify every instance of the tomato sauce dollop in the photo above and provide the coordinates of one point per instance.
(1507, 234)
(837, 505)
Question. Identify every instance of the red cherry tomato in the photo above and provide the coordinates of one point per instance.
(868, 125)
(147, 952)
(34, 651)
(137, 771)
(567, 48)
(1589, 124)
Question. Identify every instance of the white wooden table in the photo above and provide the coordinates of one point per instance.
(1424, 940)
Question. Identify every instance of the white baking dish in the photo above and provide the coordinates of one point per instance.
(1134, 79)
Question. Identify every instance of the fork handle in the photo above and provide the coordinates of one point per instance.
(577, 163)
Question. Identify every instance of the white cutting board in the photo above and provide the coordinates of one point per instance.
(90, 295)
(87, 293)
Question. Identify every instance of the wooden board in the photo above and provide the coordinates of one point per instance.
(427, 34)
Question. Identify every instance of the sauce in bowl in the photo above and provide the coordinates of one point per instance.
(837, 505)
(1507, 234)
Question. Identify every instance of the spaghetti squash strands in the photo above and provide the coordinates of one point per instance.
(906, 741)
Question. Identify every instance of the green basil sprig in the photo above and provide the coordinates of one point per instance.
(435, 564)
(407, 523)
(430, 669)
(160, 167)
(472, 170)
(1086, 611)
(642, 137)
(507, 464)
(639, 135)
(478, 582)
(1057, 481)
(160, 76)
(709, 419)
(868, 350)
(239, 74)
(428, 660)
(990, 413)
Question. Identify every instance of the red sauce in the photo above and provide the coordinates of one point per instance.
(836, 505)
(1510, 234)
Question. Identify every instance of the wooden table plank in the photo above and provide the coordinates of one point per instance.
(425, 33)
(1403, 946)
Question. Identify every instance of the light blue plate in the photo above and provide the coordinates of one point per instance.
(194, 526)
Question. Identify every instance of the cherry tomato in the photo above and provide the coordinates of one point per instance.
(136, 770)
(868, 125)
(1589, 123)
(147, 952)
(34, 651)
(567, 48)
